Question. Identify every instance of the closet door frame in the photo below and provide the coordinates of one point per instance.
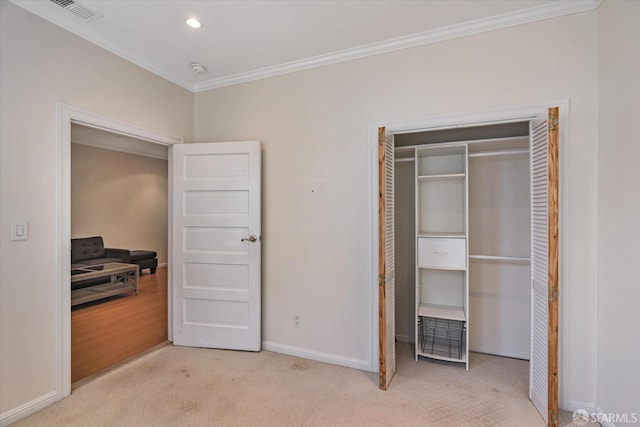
(518, 114)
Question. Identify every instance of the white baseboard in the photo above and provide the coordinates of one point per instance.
(162, 265)
(574, 405)
(608, 419)
(592, 410)
(405, 338)
(28, 408)
(603, 422)
(317, 356)
(493, 351)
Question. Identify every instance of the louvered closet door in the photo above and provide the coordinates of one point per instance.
(386, 260)
(543, 376)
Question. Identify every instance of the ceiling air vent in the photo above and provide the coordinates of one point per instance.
(76, 9)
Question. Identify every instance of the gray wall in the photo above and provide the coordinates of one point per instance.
(41, 64)
(314, 128)
(619, 209)
(121, 197)
(405, 249)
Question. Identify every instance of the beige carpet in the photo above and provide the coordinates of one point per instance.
(179, 386)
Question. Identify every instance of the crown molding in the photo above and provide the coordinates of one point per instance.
(524, 16)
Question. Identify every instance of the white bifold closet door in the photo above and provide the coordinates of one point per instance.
(543, 376)
(386, 259)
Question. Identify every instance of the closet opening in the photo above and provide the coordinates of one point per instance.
(462, 242)
(485, 216)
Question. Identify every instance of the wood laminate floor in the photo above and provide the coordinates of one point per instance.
(107, 332)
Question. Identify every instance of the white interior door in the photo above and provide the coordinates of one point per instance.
(217, 245)
(386, 262)
(543, 375)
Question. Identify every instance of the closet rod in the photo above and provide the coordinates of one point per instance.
(478, 154)
(481, 154)
(500, 258)
(500, 152)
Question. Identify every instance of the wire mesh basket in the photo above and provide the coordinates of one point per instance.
(442, 337)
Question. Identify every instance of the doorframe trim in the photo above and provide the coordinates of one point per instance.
(65, 115)
(462, 120)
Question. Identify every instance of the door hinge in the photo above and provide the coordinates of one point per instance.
(553, 418)
(553, 122)
(553, 294)
(381, 280)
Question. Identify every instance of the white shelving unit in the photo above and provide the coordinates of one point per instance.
(442, 280)
(442, 311)
(442, 177)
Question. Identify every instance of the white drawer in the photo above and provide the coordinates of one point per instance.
(441, 252)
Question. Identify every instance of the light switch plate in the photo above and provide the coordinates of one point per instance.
(19, 230)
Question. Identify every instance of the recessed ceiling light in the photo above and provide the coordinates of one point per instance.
(193, 22)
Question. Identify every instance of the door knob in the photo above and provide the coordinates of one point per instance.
(251, 238)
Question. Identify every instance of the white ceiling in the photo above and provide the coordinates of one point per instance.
(252, 39)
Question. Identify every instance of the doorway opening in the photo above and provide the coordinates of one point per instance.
(65, 117)
(119, 193)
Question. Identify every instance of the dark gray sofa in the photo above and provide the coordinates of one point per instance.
(91, 251)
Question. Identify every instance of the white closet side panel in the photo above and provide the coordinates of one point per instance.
(499, 226)
(390, 272)
(538, 376)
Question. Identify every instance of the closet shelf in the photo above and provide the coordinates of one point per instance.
(442, 177)
(437, 267)
(404, 159)
(442, 312)
(444, 235)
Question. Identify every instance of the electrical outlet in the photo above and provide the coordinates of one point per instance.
(296, 320)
